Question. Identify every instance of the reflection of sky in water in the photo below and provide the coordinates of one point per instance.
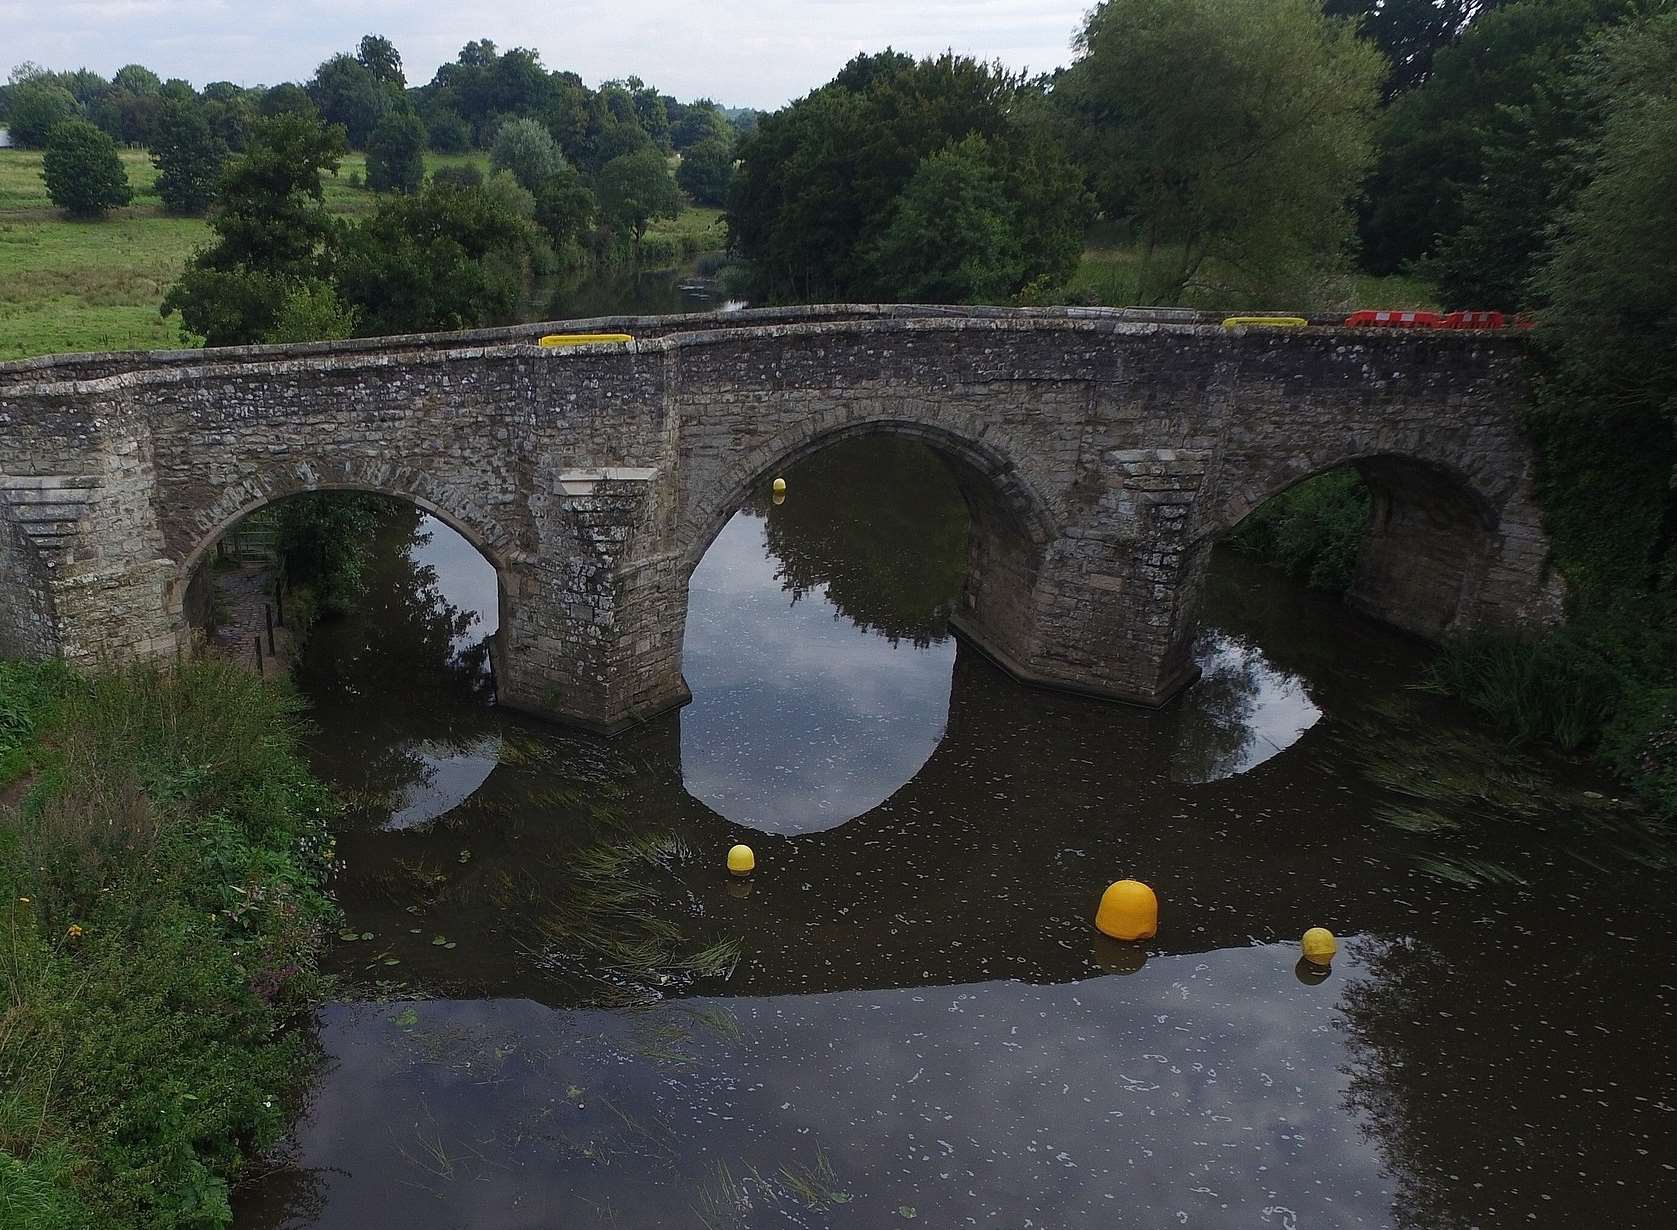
(799, 721)
(1204, 1090)
(448, 776)
(466, 579)
(1241, 712)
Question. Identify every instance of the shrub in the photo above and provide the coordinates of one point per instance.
(163, 914)
(311, 312)
(1313, 531)
(527, 150)
(83, 173)
(1555, 688)
(448, 133)
(467, 176)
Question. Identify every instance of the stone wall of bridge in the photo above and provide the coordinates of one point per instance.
(1101, 457)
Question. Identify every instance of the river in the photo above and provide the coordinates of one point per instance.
(559, 1009)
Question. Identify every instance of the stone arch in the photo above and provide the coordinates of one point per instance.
(1434, 534)
(1012, 527)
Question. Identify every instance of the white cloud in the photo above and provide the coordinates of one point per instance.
(748, 53)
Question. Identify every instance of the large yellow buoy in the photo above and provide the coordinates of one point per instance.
(1319, 946)
(741, 860)
(1128, 911)
(780, 486)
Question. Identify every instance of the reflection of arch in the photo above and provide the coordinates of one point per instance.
(1433, 535)
(988, 479)
(1011, 526)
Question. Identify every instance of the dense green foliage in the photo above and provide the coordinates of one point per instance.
(35, 109)
(446, 258)
(1313, 531)
(1240, 191)
(272, 232)
(526, 150)
(162, 890)
(396, 154)
(1409, 33)
(84, 176)
(634, 190)
(818, 182)
(707, 170)
(189, 158)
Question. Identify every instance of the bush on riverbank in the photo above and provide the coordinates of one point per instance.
(162, 887)
(1313, 532)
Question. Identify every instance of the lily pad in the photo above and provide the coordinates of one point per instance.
(439, 941)
(347, 935)
(366, 935)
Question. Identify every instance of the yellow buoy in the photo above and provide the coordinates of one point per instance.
(1319, 946)
(1128, 911)
(741, 860)
(780, 486)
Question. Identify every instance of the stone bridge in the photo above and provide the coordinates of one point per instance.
(1102, 453)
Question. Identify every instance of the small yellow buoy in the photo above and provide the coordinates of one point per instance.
(1319, 946)
(780, 486)
(741, 860)
(1128, 911)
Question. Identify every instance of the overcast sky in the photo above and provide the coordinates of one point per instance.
(759, 53)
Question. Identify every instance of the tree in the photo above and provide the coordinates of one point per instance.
(701, 121)
(137, 79)
(396, 154)
(272, 232)
(447, 133)
(311, 312)
(527, 150)
(188, 157)
(83, 173)
(37, 107)
(288, 96)
(1611, 278)
(1239, 184)
(952, 236)
(815, 185)
(378, 55)
(706, 171)
(1487, 92)
(350, 96)
(635, 189)
(1409, 33)
(565, 207)
(446, 258)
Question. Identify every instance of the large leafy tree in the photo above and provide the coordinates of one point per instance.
(272, 232)
(816, 182)
(1409, 33)
(378, 55)
(1232, 136)
(37, 107)
(449, 257)
(565, 207)
(1611, 279)
(188, 157)
(526, 150)
(1475, 140)
(83, 173)
(350, 96)
(706, 170)
(396, 154)
(635, 190)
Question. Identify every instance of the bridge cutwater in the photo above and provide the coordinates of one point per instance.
(1101, 453)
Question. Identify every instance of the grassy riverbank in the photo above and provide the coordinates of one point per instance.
(68, 286)
(161, 853)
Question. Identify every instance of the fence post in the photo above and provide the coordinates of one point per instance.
(260, 673)
(268, 615)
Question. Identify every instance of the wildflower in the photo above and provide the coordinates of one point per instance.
(23, 900)
(75, 931)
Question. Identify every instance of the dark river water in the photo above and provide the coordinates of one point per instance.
(561, 1011)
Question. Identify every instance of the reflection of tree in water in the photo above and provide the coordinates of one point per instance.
(1214, 733)
(1483, 1073)
(881, 523)
(393, 661)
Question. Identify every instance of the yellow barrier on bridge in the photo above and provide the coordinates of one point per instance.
(583, 339)
(1272, 322)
